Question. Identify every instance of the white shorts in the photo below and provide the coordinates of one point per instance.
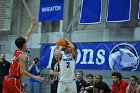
(67, 87)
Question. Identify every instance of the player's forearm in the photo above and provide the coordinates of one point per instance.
(28, 33)
(70, 44)
(24, 72)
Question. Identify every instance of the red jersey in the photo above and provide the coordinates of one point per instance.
(132, 89)
(15, 67)
(120, 87)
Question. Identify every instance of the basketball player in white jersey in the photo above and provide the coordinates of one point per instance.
(66, 58)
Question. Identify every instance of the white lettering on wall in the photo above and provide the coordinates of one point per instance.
(85, 52)
(51, 56)
(84, 56)
(100, 57)
(78, 56)
(50, 9)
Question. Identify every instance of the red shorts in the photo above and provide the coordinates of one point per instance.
(12, 85)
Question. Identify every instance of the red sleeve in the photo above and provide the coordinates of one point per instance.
(113, 88)
(123, 87)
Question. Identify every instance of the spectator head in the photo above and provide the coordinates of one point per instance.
(79, 74)
(99, 78)
(133, 80)
(20, 43)
(116, 76)
(2, 56)
(36, 60)
(89, 78)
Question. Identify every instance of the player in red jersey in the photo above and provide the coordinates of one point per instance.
(134, 86)
(12, 82)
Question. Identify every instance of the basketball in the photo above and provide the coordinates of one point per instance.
(61, 42)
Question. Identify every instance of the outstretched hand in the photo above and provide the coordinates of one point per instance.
(39, 78)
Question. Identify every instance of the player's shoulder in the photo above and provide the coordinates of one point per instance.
(22, 56)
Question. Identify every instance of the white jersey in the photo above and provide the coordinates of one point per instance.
(67, 67)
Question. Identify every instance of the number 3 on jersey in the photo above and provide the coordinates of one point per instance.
(68, 64)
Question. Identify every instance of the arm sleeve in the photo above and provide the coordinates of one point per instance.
(113, 88)
(123, 87)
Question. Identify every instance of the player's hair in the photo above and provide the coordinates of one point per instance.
(19, 42)
(89, 75)
(136, 79)
(80, 71)
(74, 45)
(117, 74)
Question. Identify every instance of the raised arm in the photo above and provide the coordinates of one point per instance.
(73, 49)
(28, 33)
